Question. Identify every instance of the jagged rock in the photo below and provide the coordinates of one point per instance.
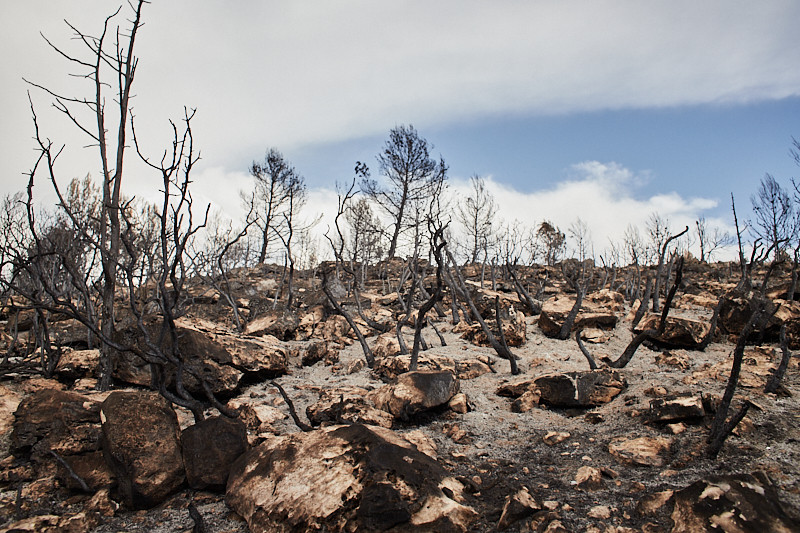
(731, 504)
(679, 332)
(345, 478)
(600, 512)
(595, 335)
(675, 408)
(308, 321)
(646, 451)
(459, 403)
(552, 438)
(555, 311)
(516, 389)
(335, 329)
(415, 392)
(471, 368)
(209, 449)
(386, 346)
(608, 300)
(65, 422)
(77, 364)
(319, 350)
(580, 389)
(651, 503)
(91, 467)
(514, 329)
(280, 324)
(526, 402)
(256, 414)
(346, 405)
(389, 368)
(263, 355)
(201, 356)
(518, 506)
(9, 402)
(69, 332)
(589, 477)
(144, 450)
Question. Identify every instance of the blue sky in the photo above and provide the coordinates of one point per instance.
(604, 110)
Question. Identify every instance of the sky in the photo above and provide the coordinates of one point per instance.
(604, 110)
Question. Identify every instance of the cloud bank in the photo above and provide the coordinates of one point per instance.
(293, 74)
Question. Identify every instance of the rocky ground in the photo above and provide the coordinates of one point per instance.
(506, 455)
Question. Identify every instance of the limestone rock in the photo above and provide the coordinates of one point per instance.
(144, 450)
(589, 477)
(416, 392)
(201, 356)
(386, 346)
(471, 368)
(675, 408)
(9, 402)
(679, 332)
(390, 368)
(209, 449)
(280, 324)
(91, 467)
(345, 478)
(345, 405)
(731, 503)
(580, 389)
(552, 438)
(65, 422)
(518, 506)
(319, 350)
(459, 403)
(264, 356)
(556, 309)
(514, 329)
(516, 389)
(645, 451)
(77, 364)
(526, 402)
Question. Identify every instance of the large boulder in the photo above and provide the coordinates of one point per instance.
(64, 422)
(588, 388)
(390, 368)
(280, 324)
(731, 503)
(345, 478)
(514, 329)
(415, 392)
(679, 332)
(346, 405)
(209, 449)
(265, 356)
(77, 364)
(592, 315)
(141, 442)
(201, 357)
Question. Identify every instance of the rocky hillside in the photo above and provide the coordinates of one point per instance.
(322, 440)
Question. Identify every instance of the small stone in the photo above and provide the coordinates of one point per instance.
(651, 503)
(526, 402)
(517, 507)
(676, 429)
(459, 403)
(601, 512)
(554, 437)
(589, 477)
(646, 451)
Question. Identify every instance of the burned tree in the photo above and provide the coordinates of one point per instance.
(476, 213)
(108, 57)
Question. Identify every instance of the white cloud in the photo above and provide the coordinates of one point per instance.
(290, 74)
(601, 194)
